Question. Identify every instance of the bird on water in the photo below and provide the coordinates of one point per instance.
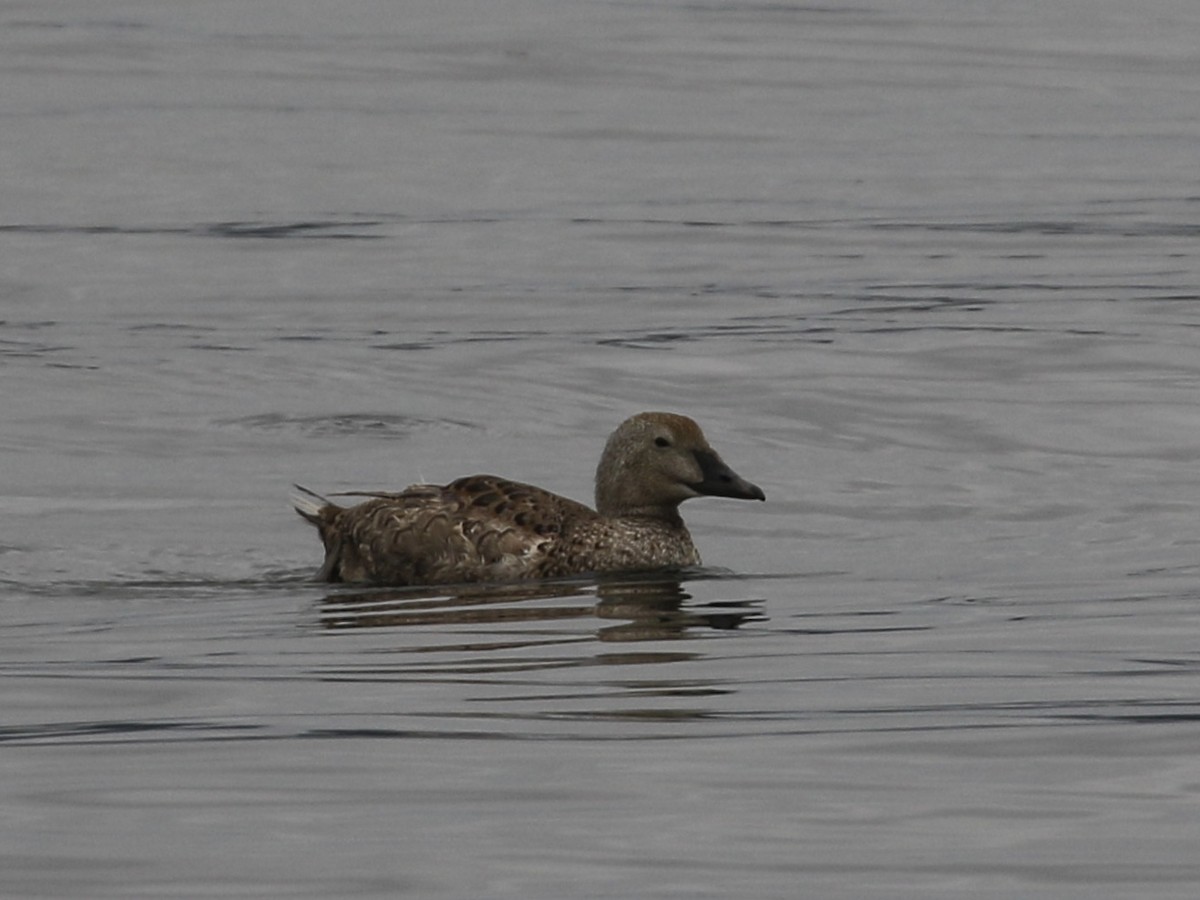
(485, 528)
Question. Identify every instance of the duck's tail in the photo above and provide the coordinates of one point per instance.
(320, 512)
(311, 505)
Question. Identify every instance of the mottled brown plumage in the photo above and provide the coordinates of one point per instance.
(484, 528)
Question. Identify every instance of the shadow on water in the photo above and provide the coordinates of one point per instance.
(648, 608)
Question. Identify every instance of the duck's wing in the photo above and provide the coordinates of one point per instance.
(473, 529)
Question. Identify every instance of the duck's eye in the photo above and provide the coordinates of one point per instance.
(662, 442)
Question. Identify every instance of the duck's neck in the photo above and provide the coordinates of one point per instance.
(666, 514)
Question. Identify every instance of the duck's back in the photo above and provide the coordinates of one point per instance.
(478, 528)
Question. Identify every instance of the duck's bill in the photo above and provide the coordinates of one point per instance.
(721, 481)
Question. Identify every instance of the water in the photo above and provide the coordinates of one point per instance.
(925, 271)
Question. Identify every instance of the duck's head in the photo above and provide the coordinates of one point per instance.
(655, 460)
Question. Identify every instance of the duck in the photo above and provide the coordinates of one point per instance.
(483, 528)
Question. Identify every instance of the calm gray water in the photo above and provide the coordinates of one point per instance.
(926, 271)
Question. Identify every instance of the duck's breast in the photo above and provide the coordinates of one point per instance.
(624, 544)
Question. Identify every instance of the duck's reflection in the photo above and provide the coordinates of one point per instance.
(650, 608)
